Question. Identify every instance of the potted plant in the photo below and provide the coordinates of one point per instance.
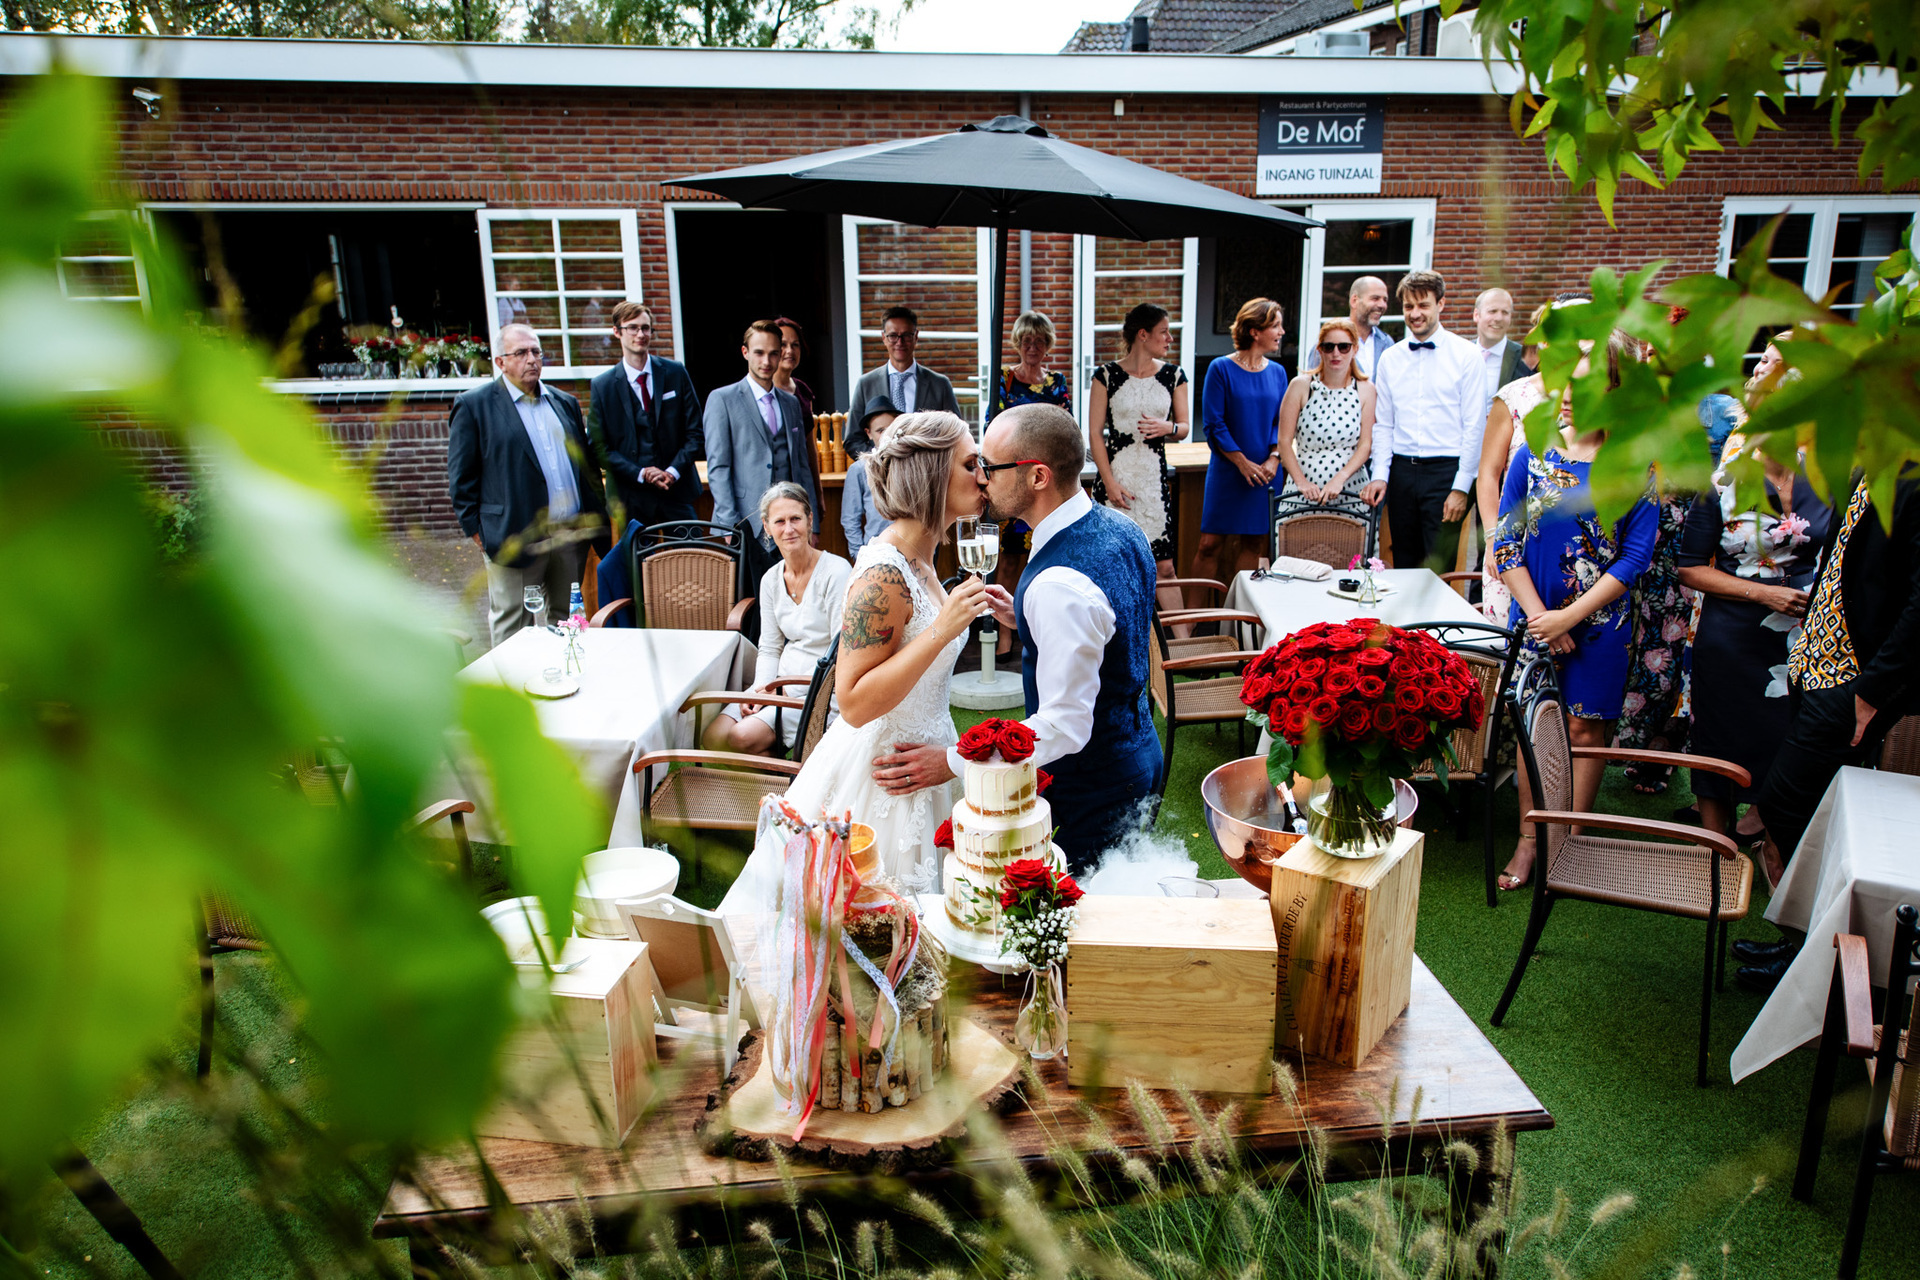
(1358, 703)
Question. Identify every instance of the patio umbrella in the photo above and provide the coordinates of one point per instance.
(1008, 174)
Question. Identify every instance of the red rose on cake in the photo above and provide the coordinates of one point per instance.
(1013, 740)
(943, 835)
(1041, 781)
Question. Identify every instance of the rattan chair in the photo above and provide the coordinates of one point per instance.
(1900, 752)
(721, 790)
(688, 577)
(1490, 652)
(1244, 625)
(1198, 699)
(1890, 1132)
(1332, 533)
(1698, 874)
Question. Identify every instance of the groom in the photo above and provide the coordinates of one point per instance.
(1084, 611)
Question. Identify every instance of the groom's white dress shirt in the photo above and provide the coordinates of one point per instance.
(1072, 620)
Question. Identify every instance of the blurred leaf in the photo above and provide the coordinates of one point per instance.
(53, 152)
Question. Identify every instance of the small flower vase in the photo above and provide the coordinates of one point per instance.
(1041, 1027)
(576, 652)
(1343, 822)
(1369, 593)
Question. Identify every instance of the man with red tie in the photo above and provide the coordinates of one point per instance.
(645, 425)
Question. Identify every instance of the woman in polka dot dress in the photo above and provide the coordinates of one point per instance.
(1326, 422)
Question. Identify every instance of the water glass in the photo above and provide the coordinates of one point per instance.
(535, 600)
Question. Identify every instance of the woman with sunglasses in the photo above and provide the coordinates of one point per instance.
(1326, 421)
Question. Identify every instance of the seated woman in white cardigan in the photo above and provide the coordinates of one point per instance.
(800, 600)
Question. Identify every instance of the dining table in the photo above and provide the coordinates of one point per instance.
(1854, 866)
(632, 688)
(1285, 605)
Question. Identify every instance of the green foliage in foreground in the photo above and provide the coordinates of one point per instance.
(146, 711)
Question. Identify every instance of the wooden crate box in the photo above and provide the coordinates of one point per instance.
(1345, 929)
(1172, 992)
(604, 1012)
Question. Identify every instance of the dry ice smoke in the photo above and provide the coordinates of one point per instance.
(1135, 866)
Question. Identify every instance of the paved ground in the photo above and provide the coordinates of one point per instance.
(454, 574)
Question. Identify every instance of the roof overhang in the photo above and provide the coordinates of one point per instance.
(391, 62)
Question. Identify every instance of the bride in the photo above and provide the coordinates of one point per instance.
(899, 636)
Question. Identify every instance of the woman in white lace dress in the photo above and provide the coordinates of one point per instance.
(1326, 421)
(899, 637)
(1138, 403)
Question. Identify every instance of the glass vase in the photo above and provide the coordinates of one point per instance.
(1041, 1027)
(1344, 823)
(576, 652)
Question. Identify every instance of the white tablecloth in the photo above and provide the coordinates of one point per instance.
(1858, 861)
(628, 705)
(1416, 595)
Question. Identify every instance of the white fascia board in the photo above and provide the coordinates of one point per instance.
(153, 58)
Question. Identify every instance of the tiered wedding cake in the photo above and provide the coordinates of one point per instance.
(1002, 819)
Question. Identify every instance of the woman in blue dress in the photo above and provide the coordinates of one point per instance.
(1240, 406)
(1570, 577)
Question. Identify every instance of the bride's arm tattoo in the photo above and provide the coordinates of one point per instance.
(870, 607)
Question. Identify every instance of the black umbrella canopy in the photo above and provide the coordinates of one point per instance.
(1008, 174)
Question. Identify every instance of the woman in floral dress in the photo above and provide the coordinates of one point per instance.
(1140, 402)
(1657, 659)
(1570, 577)
(1754, 569)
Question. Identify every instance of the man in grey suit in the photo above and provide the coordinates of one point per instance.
(902, 379)
(1499, 354)
(518, 469)
(755, 439)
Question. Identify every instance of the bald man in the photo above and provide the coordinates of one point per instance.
(522, 482)
(1499, 354)
(1366, 303)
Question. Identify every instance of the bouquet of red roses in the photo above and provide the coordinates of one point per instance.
(1360, 703)
(1012, 739)
(1037, 911)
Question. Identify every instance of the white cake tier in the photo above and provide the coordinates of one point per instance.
(973, 898)
(994, 788)
(987, 843)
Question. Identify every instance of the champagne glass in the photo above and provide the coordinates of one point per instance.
(535, 600)
(986, 541)
(963, 536)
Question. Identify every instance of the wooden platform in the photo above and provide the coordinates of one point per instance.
(1467, 1092)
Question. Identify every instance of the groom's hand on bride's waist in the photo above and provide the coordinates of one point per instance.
(910, 767)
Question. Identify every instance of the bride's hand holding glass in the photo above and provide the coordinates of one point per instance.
(967, 601)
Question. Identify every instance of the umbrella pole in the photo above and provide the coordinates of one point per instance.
(999, 313)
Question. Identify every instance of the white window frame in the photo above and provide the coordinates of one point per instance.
(1826, 211)
(628, 254)
(126, 222)
(1420, 212)
(1087, 275)
(981, 278)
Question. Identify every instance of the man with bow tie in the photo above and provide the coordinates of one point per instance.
(645, 424)
(1429, 417)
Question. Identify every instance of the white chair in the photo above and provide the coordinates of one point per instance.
(694, 968)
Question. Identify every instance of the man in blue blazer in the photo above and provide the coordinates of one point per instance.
(756, 438)
(520, 475)
(644, 421)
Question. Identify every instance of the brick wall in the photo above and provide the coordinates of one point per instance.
(1503, 217)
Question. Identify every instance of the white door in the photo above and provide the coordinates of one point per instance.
(1111, 277)
(1384, 238)
(945, 275)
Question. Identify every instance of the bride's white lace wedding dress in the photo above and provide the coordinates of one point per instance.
(837, 778)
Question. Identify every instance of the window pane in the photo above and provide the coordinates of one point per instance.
(940, 304)
(589, 235)
(541, 313)
(1336, 286)
(1363, 244)
(592, 348)
(589, 313)
(1139, 255)
(533, 275)
(97, 237)
(594, 273)
(100, 279)
(522, 235)
(1792, 242)
(1112, 299)
(893, 249)
(1866, 239)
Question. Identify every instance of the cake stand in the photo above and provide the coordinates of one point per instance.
(961, 944)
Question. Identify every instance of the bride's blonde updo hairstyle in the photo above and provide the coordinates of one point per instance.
(908, 469)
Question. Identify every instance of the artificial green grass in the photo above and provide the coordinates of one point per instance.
(1603, 1031)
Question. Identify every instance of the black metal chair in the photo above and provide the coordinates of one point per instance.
(1681, 871)
(1890, 1133)
(1491, 652)
(1332, 533)
(1209, 695)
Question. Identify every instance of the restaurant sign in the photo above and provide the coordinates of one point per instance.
(1320, 146)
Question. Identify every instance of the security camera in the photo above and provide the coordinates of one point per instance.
(150, 100)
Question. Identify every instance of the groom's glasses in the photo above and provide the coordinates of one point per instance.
(988, 468)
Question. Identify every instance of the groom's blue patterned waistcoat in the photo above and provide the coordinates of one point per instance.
(1113, 553)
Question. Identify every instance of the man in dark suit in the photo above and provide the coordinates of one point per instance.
(902, 379)
(518, 473)
(1500, 355)
(755, 439)
(644, 420)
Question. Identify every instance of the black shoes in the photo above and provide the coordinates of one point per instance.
(1761, 979)
(1747, 951)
